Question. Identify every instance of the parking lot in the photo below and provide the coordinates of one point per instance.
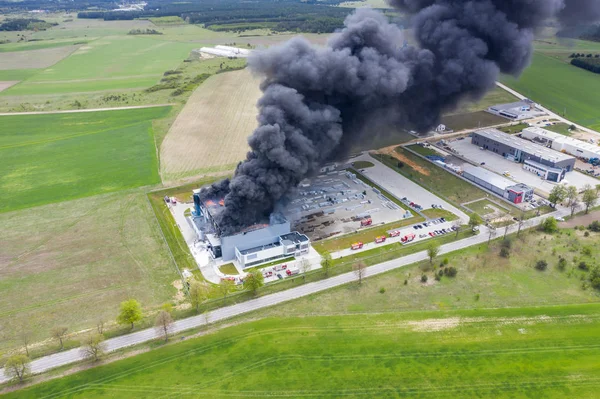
(415, 233)
(498, 164)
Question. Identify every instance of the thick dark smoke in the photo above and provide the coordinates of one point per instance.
(318, 101)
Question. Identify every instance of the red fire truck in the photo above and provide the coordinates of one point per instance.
(395, 233)
(379, 240)
(407, 238)
(357, 245)
(366, 222)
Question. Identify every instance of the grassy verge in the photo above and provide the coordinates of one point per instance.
(514, 129)
(482, 207)
(229, 268)
(440, 213)
(367, 235)
(181, 253)
(425, 151)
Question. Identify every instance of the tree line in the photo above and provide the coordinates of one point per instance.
(588, 63)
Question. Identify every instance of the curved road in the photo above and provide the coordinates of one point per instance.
(74, 355)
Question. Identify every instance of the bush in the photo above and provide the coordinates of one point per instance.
(587, 251)
(595, 226)
(507, 243)
(405, 282)
(562, 264)
(586, 234)
(550, 225)
(441, 272)
(424, 278)
(382, 290)
(541, 265)
(504, 252)
(450, 271)
(445, 261)
(583, 266)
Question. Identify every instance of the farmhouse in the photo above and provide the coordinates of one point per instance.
(256, 244)
(558, 142)
(556, 164)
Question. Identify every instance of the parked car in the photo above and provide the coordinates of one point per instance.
(279, 276)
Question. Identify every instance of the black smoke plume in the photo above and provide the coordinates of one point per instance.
(318, 101)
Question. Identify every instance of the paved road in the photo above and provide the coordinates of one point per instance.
(73, 111)
(71, 356)
(546, 110)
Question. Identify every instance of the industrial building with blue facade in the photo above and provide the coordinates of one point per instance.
(545, 162)
(260, 243)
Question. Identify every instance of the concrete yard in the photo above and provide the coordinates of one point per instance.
(401, 187)
(312, 213)
(498, 164)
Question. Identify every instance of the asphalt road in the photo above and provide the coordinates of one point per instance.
(74, 355)
(76, 111)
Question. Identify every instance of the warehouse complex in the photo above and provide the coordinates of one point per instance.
(547, 163)
(505, 188)
(558, 142)
(256, 244)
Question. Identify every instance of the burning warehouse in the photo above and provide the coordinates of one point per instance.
(262, 242)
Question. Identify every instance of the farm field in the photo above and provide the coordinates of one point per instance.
(35, 59)
(71, 264)
(559, 87)
(210, 133)
(57, 157)
(541, 352)
(117, 62)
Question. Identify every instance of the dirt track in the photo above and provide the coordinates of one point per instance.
(391, 152)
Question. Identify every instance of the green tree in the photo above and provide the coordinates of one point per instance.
(326, 262)
(475, 221)
(131, 312)
(17, 367)
(59, 334)
(198, 294)
(225, 287)
(253, 281)
(571, 194)
(304, 268)
(589, 198)
(433, 250)
(93, 347)
(558, 194)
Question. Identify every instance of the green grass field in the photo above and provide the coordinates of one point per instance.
(110, 63)
(538, 352)
(72, 263)
(57, 157)
(483, 207)
(559, 87)
(17, 74)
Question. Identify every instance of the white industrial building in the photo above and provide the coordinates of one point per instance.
(225, 51)
(561, 143)
(505, 188)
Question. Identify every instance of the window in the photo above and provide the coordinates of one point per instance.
(251, 256)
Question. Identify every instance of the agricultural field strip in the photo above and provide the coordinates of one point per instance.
(67, 137)
(74, 355)
(383, 327)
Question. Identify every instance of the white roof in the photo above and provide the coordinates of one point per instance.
(559, 138)
(487, 176)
